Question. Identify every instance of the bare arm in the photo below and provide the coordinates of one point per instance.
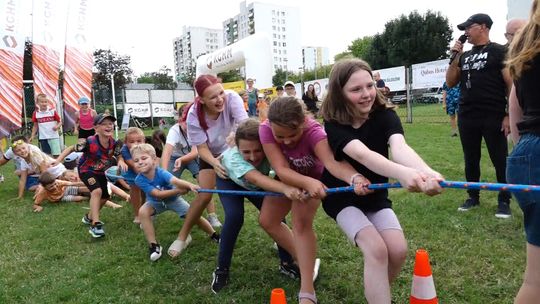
(166, 156)
(63, 155)
(342, 170)
(403, 154)
(281, 166)
(163, 194)
(184, 186)
(515, 113)
(22, 183)
(34, 131)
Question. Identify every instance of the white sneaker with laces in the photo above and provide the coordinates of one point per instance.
(214, 221)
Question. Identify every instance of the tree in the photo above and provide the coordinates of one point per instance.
(160, 79)
(279, 77)
(230, 76)
(376, 55)
(106, 63)
(416, 38)
(361, 46)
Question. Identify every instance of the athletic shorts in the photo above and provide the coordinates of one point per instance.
(179, 206)
(95, 181)
(351, 220)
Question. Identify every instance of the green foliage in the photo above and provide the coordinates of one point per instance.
(160, 79)
(411, 39)
(106, 63)
(230, 76)
(280, 77)
(361, 46)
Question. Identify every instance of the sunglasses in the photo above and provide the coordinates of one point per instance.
(16, 143)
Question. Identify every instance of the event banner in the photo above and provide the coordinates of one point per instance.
(12, 18)
(429, 74)
(138, 109)
(394, 78)
(49, 25)
(78, 60)
(162, 110)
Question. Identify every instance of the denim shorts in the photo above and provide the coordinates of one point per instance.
(523, 167)
(31, 181)
(192, 166)
(180, 206)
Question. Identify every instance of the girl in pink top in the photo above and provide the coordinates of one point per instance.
(84, 119)
(211, 123)
(298, 150)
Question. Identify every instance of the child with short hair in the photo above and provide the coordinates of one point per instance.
(134, 136)
(48, 122)
(248, 169)
(99, 153)
(55, 190)
(163, 192)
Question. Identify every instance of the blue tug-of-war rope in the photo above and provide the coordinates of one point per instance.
(445, 184)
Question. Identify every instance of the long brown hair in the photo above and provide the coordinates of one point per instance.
(335, 107)
(201, 83)
(526, 45)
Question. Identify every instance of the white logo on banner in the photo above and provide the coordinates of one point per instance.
(137, 109)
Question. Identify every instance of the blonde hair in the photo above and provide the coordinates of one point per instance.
(36, 157)
(41, 95)
(133, 131)
(335, 107)
(526, 45)
(143, 149)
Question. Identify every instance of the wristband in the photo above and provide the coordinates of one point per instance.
(353, 177)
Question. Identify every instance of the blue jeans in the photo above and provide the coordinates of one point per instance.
(233, 205)
(523, 167)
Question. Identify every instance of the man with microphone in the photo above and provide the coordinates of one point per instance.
(485, 84)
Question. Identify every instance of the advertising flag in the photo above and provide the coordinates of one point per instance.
(13, 18)
(78, 60)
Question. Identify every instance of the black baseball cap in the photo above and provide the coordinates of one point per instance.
(101, 117)
(478, 19)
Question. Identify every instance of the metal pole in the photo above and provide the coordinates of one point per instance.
(114, 107)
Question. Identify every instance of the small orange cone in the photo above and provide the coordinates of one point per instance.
(278, 296)
(423, 287)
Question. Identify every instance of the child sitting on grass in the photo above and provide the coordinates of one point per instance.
(163, 192)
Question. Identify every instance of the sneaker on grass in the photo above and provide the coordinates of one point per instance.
(155, 252)
(468, 204)
(503, 210)
(290, 269)
(214, 221)
(86, 220)
(220, 279)
(96, 230)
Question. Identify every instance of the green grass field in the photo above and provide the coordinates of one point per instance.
(49, 257)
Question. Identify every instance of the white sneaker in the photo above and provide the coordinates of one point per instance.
(316, 269)
(1, 178)
(214, 221)
(178, 246)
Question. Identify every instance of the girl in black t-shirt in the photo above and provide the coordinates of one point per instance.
(360, 128)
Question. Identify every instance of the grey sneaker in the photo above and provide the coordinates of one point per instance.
(214, 221)
(86, 220)
(469, 203)
(290, 269)
(503, 210)
(96, 230)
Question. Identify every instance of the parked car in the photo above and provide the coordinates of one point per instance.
(434, 95)
(399, 99)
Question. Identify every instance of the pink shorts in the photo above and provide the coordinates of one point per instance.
(351, 220)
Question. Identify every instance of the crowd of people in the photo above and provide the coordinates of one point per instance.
(286, 150)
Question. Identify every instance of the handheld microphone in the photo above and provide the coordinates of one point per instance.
(461, 39)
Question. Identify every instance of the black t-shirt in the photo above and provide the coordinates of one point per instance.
(374, 133)
(482, 67)
(528, 93)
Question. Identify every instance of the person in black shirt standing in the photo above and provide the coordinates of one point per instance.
(484, 83)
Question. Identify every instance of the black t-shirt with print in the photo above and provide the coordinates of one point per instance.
(374, 133)
(528, 93)
(482, 68)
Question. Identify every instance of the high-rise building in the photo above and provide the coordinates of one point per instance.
(315, 57)
(280, 23)
(194, 42)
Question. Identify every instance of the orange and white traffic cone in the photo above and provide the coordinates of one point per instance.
(278, 296)
(423, 287)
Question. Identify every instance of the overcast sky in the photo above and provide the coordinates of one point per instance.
(146, 31)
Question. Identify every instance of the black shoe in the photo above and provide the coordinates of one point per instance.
(220, 278)
(290, 269)
(215, 237)
(503, 210)
(96, 230)
(155, 252)
(469, 203)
